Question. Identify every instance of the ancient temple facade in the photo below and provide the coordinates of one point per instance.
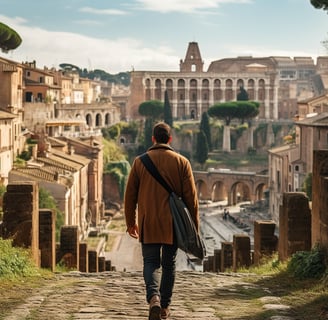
(276, 82)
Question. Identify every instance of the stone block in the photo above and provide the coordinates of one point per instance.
(69, 246)
(241, 251)
(47, 238)
(108, 265)
(101, 264)
(84, 257)
(265, 241)
(93, 261)
(226, 255)
(217, 260)
(294, 225)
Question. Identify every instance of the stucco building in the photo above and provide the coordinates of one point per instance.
(71, 170)
(289, 165)
(12, 137)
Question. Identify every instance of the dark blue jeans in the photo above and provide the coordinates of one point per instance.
(156, 256)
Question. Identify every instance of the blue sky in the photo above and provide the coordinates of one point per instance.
(118, 35)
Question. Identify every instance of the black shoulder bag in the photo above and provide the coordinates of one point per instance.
(188, 239)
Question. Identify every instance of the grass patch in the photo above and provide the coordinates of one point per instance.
(15, 262)
(18, 276)
(306, 295)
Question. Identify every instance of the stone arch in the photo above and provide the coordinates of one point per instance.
(202, 190)
(240, 83)
(193, 97)
(107, 119)
(158, 89)
(228, 90)
(219, 192)
(261, 90)
(251, 89)
(148, 89)
(169, 88)
(88, 119)
(240, 191)
(98, 120)
(181, 96)
(217, 90)
(259, 191)
(205, 94)
(169, 83)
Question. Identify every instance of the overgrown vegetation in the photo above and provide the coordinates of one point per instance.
(119, 170)
(15, 262)
(307, 186)
(308, 264)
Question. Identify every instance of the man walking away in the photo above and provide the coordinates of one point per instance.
(148, 216)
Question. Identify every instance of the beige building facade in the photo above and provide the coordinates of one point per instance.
(290, 165)
(12, 138)
(278, 83)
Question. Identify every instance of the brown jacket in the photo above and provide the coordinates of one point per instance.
(147, 201)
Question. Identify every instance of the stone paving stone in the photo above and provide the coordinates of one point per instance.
(121, 295)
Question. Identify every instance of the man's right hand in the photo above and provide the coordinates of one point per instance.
(133, 231)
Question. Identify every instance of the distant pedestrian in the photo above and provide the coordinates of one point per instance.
(148, 216)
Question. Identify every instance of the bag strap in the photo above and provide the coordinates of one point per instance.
(149, 165)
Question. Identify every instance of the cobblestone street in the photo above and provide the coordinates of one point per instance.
(121, 295)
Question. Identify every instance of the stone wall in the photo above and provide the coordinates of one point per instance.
(21, 217)
(320, 198)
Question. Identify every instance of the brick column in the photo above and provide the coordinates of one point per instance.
(241, 251)
(294, 224)
(69, 246)
(217, 260)
(226, 255)
(93, 261)
(265, 241)
(47, 238)
(84, 257)
(21, 217)
(101, 264)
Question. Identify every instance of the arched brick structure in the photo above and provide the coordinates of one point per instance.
(233, 186)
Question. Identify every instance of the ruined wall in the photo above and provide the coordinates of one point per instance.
(294, 224)
(21, 217)
(320, 198)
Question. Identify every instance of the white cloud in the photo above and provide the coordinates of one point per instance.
(50, 49)
(103, 11)
(190, 6)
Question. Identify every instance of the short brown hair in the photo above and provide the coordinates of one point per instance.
(162, 132)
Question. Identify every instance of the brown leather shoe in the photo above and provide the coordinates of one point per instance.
(165, 313)
(154, 308)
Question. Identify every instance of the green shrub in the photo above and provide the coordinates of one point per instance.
(15, 262)
(308, 264)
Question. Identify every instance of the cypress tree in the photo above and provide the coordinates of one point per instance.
(201, 148)
(242, 95)
(167, 110)
(205, 127)
(148, 131)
